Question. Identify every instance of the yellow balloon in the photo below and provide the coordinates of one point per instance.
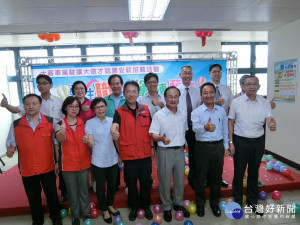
(192, 208)
(244, 198)
(244, 183)
(187, 171)
(69, 210)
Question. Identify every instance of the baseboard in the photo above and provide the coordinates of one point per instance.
(284, 160)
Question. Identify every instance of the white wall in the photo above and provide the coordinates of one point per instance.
(283, 45)
(196, 46)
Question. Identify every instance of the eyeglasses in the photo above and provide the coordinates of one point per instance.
(173, 97)
(42, 83)
(216, 71)
(251, 84)
(151, 82)
(99, 107)
(187, 73)
(73, 107)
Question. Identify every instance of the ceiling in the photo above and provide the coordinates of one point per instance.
(78, 20)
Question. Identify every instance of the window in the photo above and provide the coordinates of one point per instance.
(67, 52)
(261, 56)
(100, 51)
(7, 59)
(35, 53)
(244, 54)
(165, 49)
(133, 50)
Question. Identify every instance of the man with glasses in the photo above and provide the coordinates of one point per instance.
(188, 101)
(247, 117)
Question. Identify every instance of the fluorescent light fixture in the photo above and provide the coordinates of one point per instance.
(147, 9)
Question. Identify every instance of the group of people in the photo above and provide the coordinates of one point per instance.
(123, 128)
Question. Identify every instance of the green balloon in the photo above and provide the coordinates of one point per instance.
(121, 223)
(63, 213)
(296, 207)
(88, 222)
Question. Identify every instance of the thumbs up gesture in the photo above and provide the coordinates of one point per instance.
(62, 129)
(114, 130)
(85, 138)
(220, 101)
(210, 127)
(4, 101)
(273, 104)
(165, 140)
(10, 150)
(272, 124)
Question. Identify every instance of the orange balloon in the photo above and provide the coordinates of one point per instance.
(42, 36)
(157, 218)
(56, 37)
(49, 38)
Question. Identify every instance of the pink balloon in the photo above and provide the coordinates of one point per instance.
(140, 213)
(92, 205)
(276, 195)
(210, 33)
(157, 209)
(186, 203)
(126, 191)
(179, 215)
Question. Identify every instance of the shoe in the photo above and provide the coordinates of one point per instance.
(200, 211)
(260, 183)
(107, 220)
(148, 214)
(117, 212)
(257, 210)
(186, 214)
(132, 214)
(167, 216)
(64, 197)
(56, 222)
(224, 183)
(75, 221)
(216, 210)
(86, 217)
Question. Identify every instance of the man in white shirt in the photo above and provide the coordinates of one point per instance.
(188, 101)
(247, 116)
(168, 128)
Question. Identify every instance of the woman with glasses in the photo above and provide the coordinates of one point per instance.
(75, 160)
(79, 89)
(104, 157)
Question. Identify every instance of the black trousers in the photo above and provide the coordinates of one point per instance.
(106, 176)
(209, 163)
(190, 139)
(33, 186)
(138, 170)
(248, 152)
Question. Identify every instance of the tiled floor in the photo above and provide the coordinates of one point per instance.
(271, 218)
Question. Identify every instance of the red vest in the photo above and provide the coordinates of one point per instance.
(75, 153)
(135, 141)
(35, 148)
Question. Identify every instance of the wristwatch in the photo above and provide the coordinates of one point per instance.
(230, 142)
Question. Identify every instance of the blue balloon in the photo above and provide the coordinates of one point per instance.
(278, 162)
(88, 222)
(263, 158)
(269, 157)
(282, 168)
(188, 222)
(154, 223)
(269, 166)
(276, 167)
(222, 205)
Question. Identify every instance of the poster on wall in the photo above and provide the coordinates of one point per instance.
(95, 76)
(285, 80)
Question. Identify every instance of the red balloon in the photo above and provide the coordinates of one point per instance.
(203, 38)
(49, 38)
(286, 172)
(56, 37)
(157, 218)
(210, 33)
(276, 195)
(205, 33)
(94, 213)
(92, 205)
(42, 36)
(199, 33)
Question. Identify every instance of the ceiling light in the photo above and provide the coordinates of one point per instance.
(147, 9)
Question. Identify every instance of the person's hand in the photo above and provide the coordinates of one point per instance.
(152, 152)
(4, 102)
(85, 108)
(119, 161)
(231, 148)
(210, 127)
(114, 130)
(157, 102)
(272, 124)
(165, 140)
(220, 101)
(226, 153)
(10, 150)
(62, 129)
(85, 138)
(56, 168)
(273, 104)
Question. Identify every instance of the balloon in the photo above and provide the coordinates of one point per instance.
(201, 81)
(186, 160)
(210, 33)
(188, 222)
(92, 205)
(278, 162)
(154, 223)
(263, 158)
(269, 166)
(276, 195)
(157, 218)
(199, 33)
(276, 167)
(229, 200)
(63, 213)
(179, 215)
(273, 162)
(126, 190)
(244, 198)
(286, 172)
(222, 205)
(282, 168)
(244, 183)
(192, 208)
(269, 157)
(296, 207)
(186, 167)
(140, 214)
(262, 195)
(117, 219)
(157, 209)
(88, 222)
(121, 167)
(42, 36)
(56, 37)
(49, 38)
(186, 203)
(138, 223)
(94, 213)
(70, 211)
(187, 171)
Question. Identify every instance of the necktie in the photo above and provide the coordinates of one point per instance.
(217, 93)
(189, 107)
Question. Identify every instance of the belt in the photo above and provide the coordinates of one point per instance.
(250, 139)
(211, 142)
(174, 147)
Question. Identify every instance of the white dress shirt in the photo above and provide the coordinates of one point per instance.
(147, 100)
(194, 94)
(249, 116)
(173, 125)
(226, 93)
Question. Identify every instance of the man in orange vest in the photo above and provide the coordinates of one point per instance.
(131, 125)
(32, 135)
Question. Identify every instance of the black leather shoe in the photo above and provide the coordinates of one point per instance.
(107, 220)
(57, 222)
(75, 221)
(132, 214)
(200, 211)
(216, 210)
(64, 196)
(114, 213)
(167, 216)
(186, 214)
(224, 183)
(255, 209)
(148, 214)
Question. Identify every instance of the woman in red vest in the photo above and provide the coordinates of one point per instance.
(75, 160)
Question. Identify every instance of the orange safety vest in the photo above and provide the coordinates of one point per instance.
(75, 153)
(35, 147)
(135, 140)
